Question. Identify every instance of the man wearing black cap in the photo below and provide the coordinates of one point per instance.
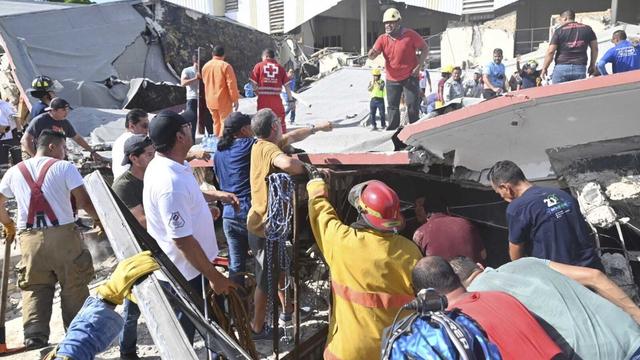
(55, 118)
(138, 153)
(177, 214)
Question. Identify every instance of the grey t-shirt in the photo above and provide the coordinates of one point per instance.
(192, 89)
(576, 318)
(45, 121)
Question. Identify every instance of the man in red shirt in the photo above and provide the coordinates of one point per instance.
(445, 235)
(506, 321)
(268, 77)
(399, 45)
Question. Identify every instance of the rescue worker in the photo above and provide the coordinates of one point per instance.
(399, 46)
(453, 86)
(43, 89)
(370, 266)
(268, 77)
(445, 74)
(220, 88)
(624, 56)
(376, 89)
(52, 250)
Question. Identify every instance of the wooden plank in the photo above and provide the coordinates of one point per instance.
(161, 321)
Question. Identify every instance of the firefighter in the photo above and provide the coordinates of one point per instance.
(44, 89)
(370, 266)
(268, 77)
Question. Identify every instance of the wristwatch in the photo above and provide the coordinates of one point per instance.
(313, 128)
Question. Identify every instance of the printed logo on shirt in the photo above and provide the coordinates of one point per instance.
(58, 129)
(270, 70)
(556, 206)
(176, 221)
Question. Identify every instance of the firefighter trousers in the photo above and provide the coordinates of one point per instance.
(49, 256)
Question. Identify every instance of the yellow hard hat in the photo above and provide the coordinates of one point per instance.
(376, 72)
(447, 69)
(392, 14)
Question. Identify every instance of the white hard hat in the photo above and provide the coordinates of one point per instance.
(392, 14)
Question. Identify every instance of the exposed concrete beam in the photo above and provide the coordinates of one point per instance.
(614, 12)
(363, 27)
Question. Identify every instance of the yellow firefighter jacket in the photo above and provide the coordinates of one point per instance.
(370, 278)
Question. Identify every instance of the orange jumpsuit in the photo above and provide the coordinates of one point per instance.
(270, 77)
(221, 90)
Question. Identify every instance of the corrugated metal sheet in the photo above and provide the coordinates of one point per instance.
(230, 5)
(203, 6)
(497, 4)
(446, 6)
(276, 16)
(477, 6)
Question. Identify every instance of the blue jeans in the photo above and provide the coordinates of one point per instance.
(235, 230)
(566, 72)
(291, 111)
(187, 325)
(376, 104)
(129, 335)
(93, 329)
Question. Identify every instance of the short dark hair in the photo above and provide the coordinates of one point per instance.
(505, 171)
(134, 116)
(194, 58)
(457, 68)
(434, 272)
(434, 202)
(262, 123)
(497, 51)
(463, 267)
(218, 50)
(269, 53)
(621, 34)
(48, 137)
(569, 14)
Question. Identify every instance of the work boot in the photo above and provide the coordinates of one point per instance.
(265, 334)
(130, 356)
(35, 343)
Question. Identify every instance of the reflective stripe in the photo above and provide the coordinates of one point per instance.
(377, 300)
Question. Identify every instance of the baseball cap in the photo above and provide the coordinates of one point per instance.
(135, 145)
(236, 121)
(58, 103)
(164, 126)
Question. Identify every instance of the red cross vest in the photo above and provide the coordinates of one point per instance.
(38, 204)
(270, 77)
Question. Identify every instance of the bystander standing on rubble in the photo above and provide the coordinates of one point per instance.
(42, 88)
(268, 78)
(52, 249)
(54, 119)
(377, 91)
(8, 134)
(582, 322)
(367, 290)
(190, 79)
(446, 235)
(473, 87)
(529, 74)
(267, 157)
(624, 56)
(494, 77)
(445, 74)
(425, 82)
(138, 153)
(136, 123)
(515, 81)
(290, 106)
(453, 86)
(221, 89)
(399, 45)
(543, 222)
(176, 211)
(568, 46)
(506, 321)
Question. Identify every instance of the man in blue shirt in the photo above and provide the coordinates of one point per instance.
(494, 76)
(624, 56)
(543, 222)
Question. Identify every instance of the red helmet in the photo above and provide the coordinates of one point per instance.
(378, 204)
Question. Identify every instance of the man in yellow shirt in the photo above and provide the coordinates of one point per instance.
(267, 158)
(221, 89)
(370, 266)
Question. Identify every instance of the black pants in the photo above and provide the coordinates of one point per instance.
(192, 104)
(488, 94)
(376, 104)
(410, 87)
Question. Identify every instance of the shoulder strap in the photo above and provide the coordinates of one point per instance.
(44, 170)
(38, 203)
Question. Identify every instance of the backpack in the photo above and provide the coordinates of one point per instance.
(438, 335)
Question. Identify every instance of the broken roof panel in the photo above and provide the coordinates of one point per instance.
(21, 7)
(522, 125)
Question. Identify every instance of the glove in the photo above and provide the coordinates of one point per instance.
(313, 172)
(127, 273)
(317, 188)
(9, 232)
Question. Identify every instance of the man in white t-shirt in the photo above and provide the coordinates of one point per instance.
(137, 122)
(190, 79)
(178, 216)
(52, 250)
(7, 125)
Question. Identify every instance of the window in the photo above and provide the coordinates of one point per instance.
(330, 41)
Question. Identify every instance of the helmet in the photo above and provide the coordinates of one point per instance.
(532, 64)
(376, 72)
(42, 83)
(478, 71)
(378, 204)
(448, 69)
(392, 14)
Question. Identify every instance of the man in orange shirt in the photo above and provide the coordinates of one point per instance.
(221, 89)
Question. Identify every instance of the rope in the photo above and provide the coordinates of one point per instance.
(278, 231)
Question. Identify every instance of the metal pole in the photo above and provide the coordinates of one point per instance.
(363, 27)
(614, 12)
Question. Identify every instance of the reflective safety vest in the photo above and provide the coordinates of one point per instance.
(377, 90)
(370, 281)
(38, 204)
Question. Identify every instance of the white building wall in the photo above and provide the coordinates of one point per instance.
(203, 6)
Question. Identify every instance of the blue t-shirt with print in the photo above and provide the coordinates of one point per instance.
(232, 167)
(549, 222)
(625, 56)
(496, 74)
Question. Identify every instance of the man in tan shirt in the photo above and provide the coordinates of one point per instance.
(267, 158)
(221, 89)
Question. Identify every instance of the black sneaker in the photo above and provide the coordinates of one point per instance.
(265, 334)
(130, 356)
(286, 318)
(35, 343)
